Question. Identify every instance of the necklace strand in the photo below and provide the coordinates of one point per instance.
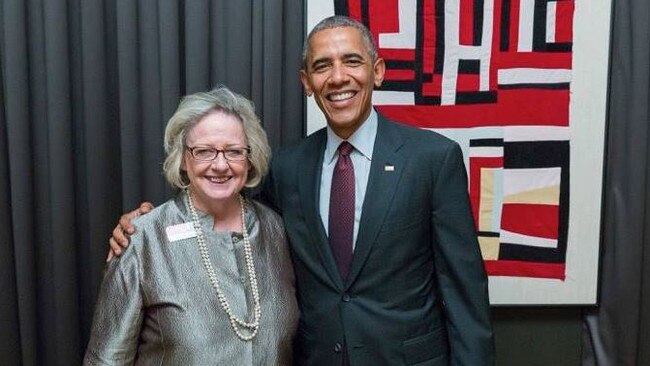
(236, 323)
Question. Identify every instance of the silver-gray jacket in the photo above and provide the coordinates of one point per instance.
(156, 305)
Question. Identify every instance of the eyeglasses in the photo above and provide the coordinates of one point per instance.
(207, 153)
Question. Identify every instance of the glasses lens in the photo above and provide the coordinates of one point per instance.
(235, 154)
(204, 153)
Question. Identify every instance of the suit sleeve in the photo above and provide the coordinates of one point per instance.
(268, 193)
(118, 313)
(459, 266)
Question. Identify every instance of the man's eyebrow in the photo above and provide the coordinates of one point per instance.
(353, 55)
(318, 61)
(347, 56)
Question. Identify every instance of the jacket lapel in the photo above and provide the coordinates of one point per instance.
(309, 187)
(385, 172)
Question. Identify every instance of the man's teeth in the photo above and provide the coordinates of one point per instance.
(218, 179)
(341, 96)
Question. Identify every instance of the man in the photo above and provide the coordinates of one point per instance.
(387, 264)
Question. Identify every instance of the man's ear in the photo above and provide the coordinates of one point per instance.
(304, 79)
(380, 70)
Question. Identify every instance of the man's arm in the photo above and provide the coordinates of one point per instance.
(459, 266)
(124, 229)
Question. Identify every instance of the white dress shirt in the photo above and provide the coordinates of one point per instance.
(363, 141)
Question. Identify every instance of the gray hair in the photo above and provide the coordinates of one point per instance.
(191, 110)
(340, 21)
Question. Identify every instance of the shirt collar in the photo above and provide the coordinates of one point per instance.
(362, 139)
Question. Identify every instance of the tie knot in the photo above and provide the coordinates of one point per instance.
(345, 148)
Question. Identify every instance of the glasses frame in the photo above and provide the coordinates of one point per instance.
(217, 151)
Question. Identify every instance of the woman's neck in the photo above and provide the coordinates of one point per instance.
(226, 214)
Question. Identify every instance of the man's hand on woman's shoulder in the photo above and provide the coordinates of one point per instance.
(124, 229)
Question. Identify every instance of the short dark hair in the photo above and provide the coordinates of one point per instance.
(340, 21)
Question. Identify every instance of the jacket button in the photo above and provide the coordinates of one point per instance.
(346, 298)
(338, 347)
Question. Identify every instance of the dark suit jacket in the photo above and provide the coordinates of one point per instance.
(417, 289)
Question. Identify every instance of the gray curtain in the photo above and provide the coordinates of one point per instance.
(618, 332)
(87, 87)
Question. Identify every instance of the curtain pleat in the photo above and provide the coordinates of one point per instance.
(20, 247)
(9, 348)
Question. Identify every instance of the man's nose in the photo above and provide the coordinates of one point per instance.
(339, 73)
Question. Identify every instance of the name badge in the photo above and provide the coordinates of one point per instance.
(180, 231)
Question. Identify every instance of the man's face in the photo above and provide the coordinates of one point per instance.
(340, 74)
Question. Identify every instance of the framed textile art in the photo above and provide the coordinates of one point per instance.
(521, 85)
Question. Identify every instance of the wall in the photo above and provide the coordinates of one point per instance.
(538, 336)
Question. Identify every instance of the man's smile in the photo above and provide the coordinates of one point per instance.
(337, 97)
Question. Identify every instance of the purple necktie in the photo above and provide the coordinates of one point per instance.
(341, 219)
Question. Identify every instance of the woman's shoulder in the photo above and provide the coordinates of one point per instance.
(163, 214)
(152, 226)
(270, 222)
(265, 213)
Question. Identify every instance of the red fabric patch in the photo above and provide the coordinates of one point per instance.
(530, 219)
(525, 269)
(393, 74)
(466, 22)
(528, 107)
(564, 21)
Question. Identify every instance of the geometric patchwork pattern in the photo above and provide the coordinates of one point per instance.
(494, 75)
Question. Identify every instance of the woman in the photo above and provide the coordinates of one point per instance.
(207, 279)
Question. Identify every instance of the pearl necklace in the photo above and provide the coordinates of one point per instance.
(236, 323)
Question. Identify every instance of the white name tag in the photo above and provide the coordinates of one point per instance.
(180, 231)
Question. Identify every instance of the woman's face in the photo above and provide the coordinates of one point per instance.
(216, 183)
